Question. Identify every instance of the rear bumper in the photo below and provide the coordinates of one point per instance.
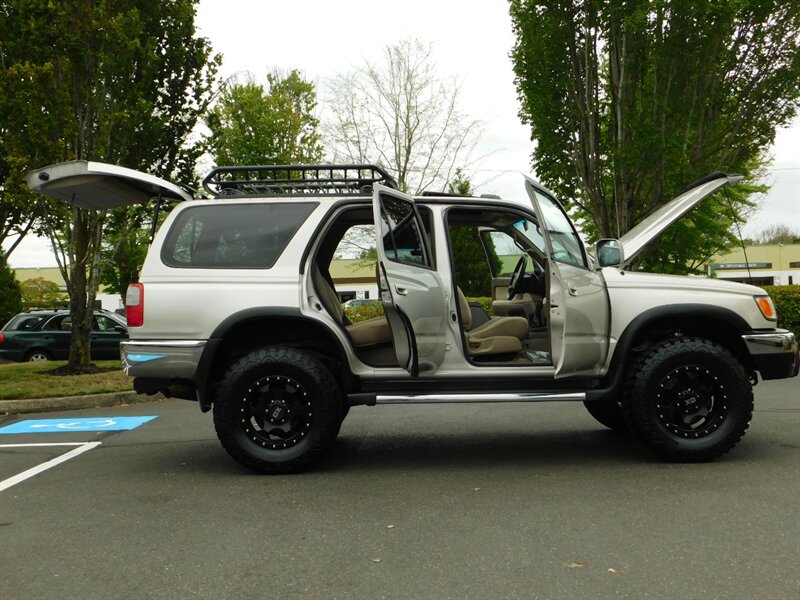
(162, 359)
(775, 353)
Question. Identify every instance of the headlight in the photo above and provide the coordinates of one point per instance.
(766, 307)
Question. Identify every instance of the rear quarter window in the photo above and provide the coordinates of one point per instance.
(233, 236)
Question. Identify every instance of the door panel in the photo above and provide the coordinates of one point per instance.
(411, 289)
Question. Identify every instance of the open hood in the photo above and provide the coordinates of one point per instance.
(646, 231)
(100, 186)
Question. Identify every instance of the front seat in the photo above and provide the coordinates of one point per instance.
(366, 334)
(498, 336)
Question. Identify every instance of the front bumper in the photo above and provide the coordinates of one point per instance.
(775, 353)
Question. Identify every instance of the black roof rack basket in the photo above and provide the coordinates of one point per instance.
(293, 180)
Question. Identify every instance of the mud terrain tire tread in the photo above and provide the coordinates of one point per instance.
(323, 393)
(640, 402)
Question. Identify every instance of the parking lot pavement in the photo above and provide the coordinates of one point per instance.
(470, 501)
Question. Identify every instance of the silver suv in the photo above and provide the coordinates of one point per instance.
(236, 309)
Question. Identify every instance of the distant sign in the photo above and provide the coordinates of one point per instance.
(737, 266)
(64, 424)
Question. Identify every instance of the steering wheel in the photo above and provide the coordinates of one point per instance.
(514, 286)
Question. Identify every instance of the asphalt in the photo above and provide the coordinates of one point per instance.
(34, 405)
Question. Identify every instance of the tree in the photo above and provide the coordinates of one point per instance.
(121, 82)
(10, 293)
(776, 234)
(38, 292)
(469, 256)
(276, 125)
(402, 115)
(630, 101)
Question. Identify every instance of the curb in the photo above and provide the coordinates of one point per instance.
(34, 405)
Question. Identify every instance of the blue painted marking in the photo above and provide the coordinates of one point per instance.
(66, 424)
(144, 357)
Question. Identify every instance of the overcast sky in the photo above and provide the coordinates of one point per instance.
(472, 40)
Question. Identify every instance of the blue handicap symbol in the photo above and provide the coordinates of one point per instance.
(66, 424)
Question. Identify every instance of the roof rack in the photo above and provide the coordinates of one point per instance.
(283, 180)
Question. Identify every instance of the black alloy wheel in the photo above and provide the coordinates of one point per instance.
(689, 400)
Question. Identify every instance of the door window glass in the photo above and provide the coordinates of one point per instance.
(402, 238)
(567, 246)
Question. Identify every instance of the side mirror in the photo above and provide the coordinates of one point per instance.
(609, 252)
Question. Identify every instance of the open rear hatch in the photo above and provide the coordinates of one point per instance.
(99, 186)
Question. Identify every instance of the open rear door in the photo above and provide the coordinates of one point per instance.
(99, 186)
(413, 296)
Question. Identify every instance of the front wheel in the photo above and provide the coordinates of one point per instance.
(278, 409)
(690, 400)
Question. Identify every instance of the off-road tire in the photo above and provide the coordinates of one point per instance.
(278, 409)
(689, 400)
(609, 414)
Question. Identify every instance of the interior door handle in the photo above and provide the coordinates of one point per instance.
(573, 291)
(401, 291)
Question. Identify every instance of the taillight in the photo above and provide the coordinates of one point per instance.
(2, 338)
(134, 305)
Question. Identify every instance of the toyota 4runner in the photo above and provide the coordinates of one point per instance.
(236, 309)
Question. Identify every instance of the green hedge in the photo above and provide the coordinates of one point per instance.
(362, 313)
(787, 303)
(485, 302)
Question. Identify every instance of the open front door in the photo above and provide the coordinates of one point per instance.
(413, 297)
(579, 309)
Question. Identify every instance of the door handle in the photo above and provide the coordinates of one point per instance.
(401, 291)
(572, 291)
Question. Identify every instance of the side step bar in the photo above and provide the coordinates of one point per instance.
(371, 399)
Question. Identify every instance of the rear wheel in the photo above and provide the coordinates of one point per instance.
(37, 356)
(278, 409)
(691, 400)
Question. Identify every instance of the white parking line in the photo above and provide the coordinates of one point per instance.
(81, 448)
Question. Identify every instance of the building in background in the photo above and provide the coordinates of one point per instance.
(110, 302)
(777, 264)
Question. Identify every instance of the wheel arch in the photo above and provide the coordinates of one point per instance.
(714, 323)
(247, 330)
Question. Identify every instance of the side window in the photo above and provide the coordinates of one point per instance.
(58, 323)
(505, 249)
(233, 236)
(402, 239)
(101, 323)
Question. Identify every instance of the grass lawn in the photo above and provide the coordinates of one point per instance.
(31, 380)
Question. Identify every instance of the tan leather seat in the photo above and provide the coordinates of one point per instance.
(372, 332)
(500, 335)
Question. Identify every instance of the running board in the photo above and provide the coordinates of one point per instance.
(371, 399)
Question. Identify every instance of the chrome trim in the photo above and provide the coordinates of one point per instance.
(168, 343)
(774, 342)
(472, 397)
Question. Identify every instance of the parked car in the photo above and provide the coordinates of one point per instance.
(360, 302)
(45, 334)
(236, 310)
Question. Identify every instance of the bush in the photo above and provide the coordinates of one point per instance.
(362, 313)
(787, 303)
(485, 302)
